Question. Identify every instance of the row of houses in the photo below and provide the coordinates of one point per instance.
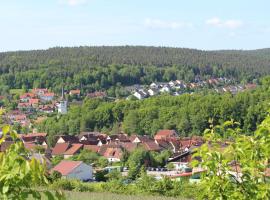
(178, 87)
(111, 147)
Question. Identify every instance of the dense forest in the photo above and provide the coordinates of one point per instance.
(189, 114)
(103, 68)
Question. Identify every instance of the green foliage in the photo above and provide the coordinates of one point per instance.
(188, 114)
(146, 185)
(236, 171)
(160, 159)
(20, 175)
(55, 175)
(114, 175)
(137, 159)
(88, 157)
(100, 175)
(102, 162)
(170, 166)
(57, 159)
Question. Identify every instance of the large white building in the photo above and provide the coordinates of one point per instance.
(62, 107)
(74, 170)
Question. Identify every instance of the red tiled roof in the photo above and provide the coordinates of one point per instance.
(129, 146)
(165, 132)
(49, 94)
(33, 101)
(75, 148)
(151, 146)
(65, 166)
(30, 145)
(24, 104)
(27, 95)
(93, 148)
(113, 153)
(96, 94)
(20, 117)
(60, 148)
(74, 92)
(33, 135)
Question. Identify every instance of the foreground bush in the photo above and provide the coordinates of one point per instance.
(146, 185)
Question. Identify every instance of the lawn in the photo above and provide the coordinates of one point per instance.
(111, 196)
(16, 91)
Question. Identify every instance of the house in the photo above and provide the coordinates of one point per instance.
(172, 83)
(165, 88)
(152, 91)
(113, 152)
(176, 94)
(250, 86)
(140, 138)
(154, 85)
(97, 94)
(170, 144)
(74, 170)
(129, 146)
(34, 138)
(25, 106)
(67, 139)
(20, 118)
(60, 149)
(47, 96)
(46, 108)
(165, 134)
(118, 138)
(26, 96)
(74, 149)
(140, 94)
(39, 91)
(75, 92)
(33, 101)
(42, 159)
(151, 146)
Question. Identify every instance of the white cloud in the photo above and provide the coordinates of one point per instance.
(161, 24)
(231, 24)
(73, 2)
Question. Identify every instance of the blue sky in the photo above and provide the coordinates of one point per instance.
(201, 24)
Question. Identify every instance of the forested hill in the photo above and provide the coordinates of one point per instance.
(140, 55)
(126, 65)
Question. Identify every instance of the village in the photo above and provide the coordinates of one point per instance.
(41, 102)
(112, 148)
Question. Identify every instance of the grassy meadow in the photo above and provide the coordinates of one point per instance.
(111, 196)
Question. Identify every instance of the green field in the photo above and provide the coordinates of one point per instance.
(16, 91)
(111, 196)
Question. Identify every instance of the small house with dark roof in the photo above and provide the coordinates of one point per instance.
(67, 139)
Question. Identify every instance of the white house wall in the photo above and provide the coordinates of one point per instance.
(82, 172)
